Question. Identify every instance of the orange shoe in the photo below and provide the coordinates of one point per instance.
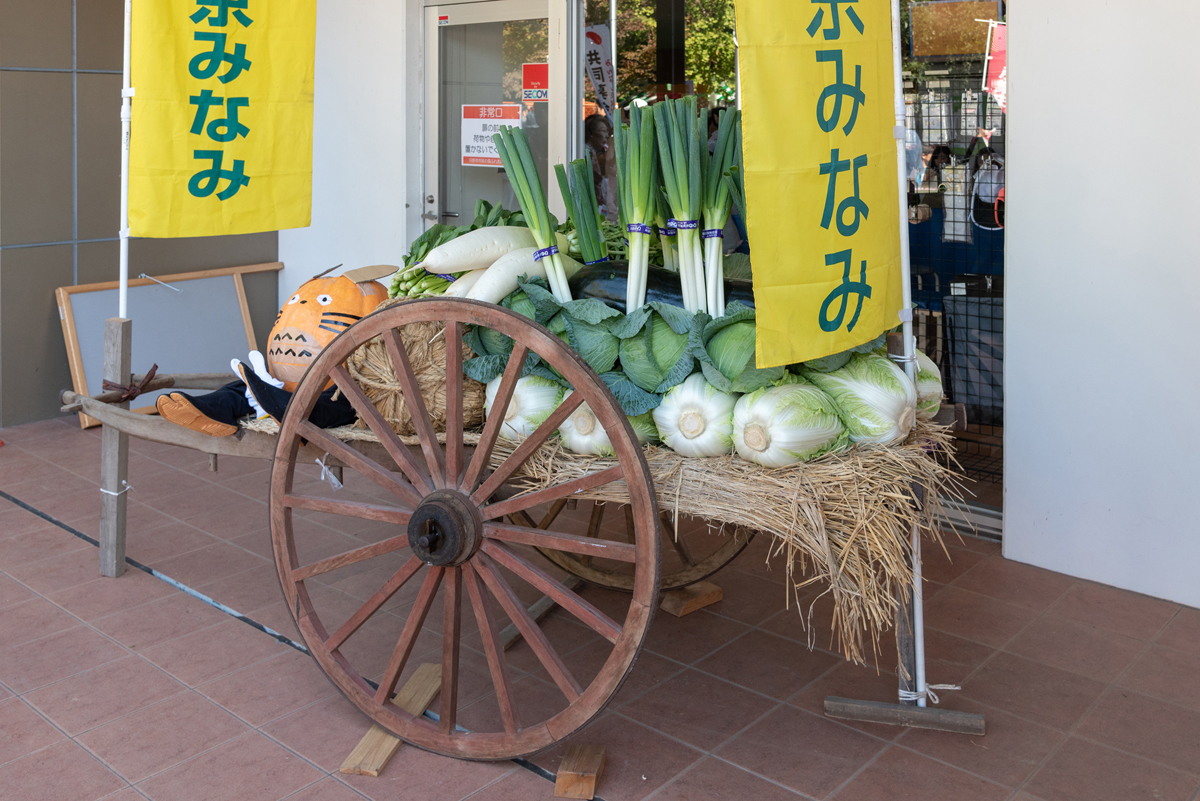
(180, 411)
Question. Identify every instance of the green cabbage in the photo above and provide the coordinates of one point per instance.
(652, 356)
(732, 348)
(874, 398)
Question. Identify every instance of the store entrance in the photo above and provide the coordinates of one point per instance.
(489, 64)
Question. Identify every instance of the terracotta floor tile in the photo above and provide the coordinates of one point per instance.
(55, 657)
(154, 738)
(213, 652)
(104, 596)
(976, 617)
(32, 620)
(1096, 653)
(715, 778)
(206, 565)
(807, 753)
(200, 500)
(15, 521)
(27, 432)
(759, 559)
(48, 576)
(948, 659)
(324, 733)
(271, 689)
(1016, 583)
(152, 545)
(418, 774)
(648, 671)
(852, 681)
(1033, 691)
(698, 709)
(1083, 771)
(19, 468)
(23, 731)
(328, 789)
(155, 481)
(1116, 610)
(1183, 632)
(944, 566)
(1168, 674)
(522, 785)
(1147, 727)
(768, 664)
(247, 591)
(138, 518)
(62, 771)
(747, 598)
(278, 618)
(96, 696)
(249, 767)
(64, 497)
(900, 774)
(1007, 755)
(691, 638)
(639, 760)
(37, 545)
(13, 592)
(158, 621)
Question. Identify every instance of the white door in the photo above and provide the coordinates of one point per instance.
(474, 56)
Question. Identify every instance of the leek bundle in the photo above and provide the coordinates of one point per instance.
(513, 146)
(579, 196)
(735, 173)
(636, 168)
(717, 203)
(679, 147)
(667, 232)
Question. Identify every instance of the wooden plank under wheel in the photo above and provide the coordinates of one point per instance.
(692, 551)
(443, 573)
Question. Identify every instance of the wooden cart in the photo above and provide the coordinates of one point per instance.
(446, 497)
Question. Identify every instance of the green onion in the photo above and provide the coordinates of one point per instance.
(513, 147)
(636, 167)
(717, 203)
(679, 148)
(662, 215)
(735, 175)
(579, 196)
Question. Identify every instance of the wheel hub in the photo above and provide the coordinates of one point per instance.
(445, 529)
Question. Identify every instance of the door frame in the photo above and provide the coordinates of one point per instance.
(563, 18)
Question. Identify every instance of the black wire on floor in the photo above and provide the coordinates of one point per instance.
(285, 640)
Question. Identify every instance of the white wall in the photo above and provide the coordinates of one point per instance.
(1102, 366)
(361, 137)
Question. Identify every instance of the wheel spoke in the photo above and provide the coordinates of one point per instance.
(599, 622)
(382, 430)
(454, 403)
(491, 429)
(594, 522)
(398, 580)
(677, 542)
(451, 636)
(529, 628)
(408, 637)
(494, 651)
(564, 490)
(527, 448)
(348, 456)
(350, 558)
(558, 541)
(355, 509)
(416, 405)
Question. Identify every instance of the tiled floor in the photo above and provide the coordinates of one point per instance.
(128, 688)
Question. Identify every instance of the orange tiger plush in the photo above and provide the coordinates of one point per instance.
(320, 310)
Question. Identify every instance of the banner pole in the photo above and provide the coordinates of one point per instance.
(126, 115)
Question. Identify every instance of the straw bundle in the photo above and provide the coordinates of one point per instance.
(371, 368)
(845, 519)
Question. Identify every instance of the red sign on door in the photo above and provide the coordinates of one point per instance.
(535, 83)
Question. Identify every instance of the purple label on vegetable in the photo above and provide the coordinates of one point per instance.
(449, 278)
(687, 225)
(541, 254)
(712, 233)
(667, 232)
(597, 261)
(638, 228)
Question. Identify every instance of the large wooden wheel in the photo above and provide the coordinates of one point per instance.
(692, 551)
(443, 537)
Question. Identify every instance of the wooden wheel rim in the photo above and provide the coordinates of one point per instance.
(479, 571)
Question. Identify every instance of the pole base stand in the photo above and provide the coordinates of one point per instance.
(918, 717)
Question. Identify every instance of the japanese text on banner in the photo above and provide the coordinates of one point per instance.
(820, 159)
(221, 135)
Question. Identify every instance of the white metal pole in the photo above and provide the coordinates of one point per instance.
(910, 365)
(126, 115)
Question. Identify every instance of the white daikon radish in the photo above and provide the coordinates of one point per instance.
(462, 286)
(476, 250)
(502, 277)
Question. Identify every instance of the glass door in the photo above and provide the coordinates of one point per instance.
(487, 64)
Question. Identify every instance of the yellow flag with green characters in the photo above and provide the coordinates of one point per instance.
(221, 134)
(820, 174)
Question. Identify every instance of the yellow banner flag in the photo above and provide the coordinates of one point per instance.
(222, 116)
(821, 181)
